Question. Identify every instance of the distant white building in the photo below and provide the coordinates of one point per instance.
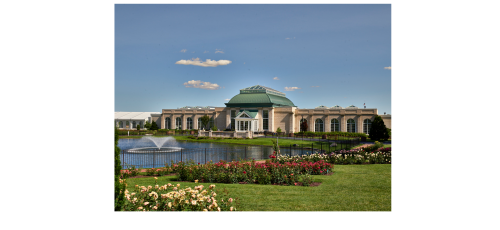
(130, 120)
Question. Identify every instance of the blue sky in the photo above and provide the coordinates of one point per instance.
(325, 54)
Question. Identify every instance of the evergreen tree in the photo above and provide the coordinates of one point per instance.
(138, 127)
(154, 126)
(303, 126)
(147, 125)
(378, 131)
(119, 188)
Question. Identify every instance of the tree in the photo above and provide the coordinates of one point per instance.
(154, 126)
(119, 187)
(378, 131)
(278, 130)
(147, 125)
(138, 127)
(204, 121)
(303, 126)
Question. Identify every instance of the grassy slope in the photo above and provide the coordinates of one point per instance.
(350, 188)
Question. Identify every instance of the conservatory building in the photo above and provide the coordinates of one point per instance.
(259, 108)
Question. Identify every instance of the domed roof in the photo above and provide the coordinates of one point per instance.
(259, 96)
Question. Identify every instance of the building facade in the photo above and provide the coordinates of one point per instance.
(259, 108)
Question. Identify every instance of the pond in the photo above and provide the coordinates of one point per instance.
(199, 152)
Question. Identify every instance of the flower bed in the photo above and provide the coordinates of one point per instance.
(289, 173)
(342, 157)
(172, 198)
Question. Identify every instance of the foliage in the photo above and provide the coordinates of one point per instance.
(138, 127)
(214, 128)
(172, 198)
(375, 146)
(260, 173)
(154, 126)
(378, 131)
(304, 126)
(332, 134)
(147, 125)
(204, 121)
(342, 157)
(119, 186)
(130, 172)
(276, 148)
(278, 130)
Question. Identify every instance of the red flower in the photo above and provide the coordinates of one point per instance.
(244, 172)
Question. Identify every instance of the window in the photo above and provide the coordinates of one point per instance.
(133, 125)
(189, 123)
(211, 123)
(121, 124)
(351, 126)
(167, 123)
(367, 125)
(300, 124)
(233, 115)
(128, 125)
(178, 123)
(265, 119)
(335, 125)
(199, 123)
(318, 126)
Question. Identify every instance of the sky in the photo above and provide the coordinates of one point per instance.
(170, 56)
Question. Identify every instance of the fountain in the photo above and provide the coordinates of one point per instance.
(159, 142)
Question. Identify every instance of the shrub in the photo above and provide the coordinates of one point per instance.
(119, 185)
(147, 125)
(130, 172)
(172, 198)
(378, 131)
(278, 130)
(204, 121)
(138, 127)
(154, 126)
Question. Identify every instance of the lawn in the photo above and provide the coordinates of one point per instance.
(350, 188)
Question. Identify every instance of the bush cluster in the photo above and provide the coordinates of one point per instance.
(172, 198)
(342, 157)
(259, 173)
(316, 134)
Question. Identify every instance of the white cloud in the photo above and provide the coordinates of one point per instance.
(193, 52)
(287, 38)
(219, 51)
(291, 88)
(226, 99)
(183, 51)
(201, 85)
(207, 63)
(205, 52)
(275, 78)
(387, 67)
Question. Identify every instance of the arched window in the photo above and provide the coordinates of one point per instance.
(335, 125)
(189, 123)
(351, 126)
(367, 125)
(121, 124)
(167, 123)
(128, 125)
(199, 123)
(133, 125)
(178, 123)
(318, 126)
(300, 124)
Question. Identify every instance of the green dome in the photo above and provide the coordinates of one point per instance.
(258, 100)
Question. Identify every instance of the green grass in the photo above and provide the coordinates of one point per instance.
(257, 141)
(350, 188)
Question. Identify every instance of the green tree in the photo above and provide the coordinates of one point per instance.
(204, 121)
(378, 131)
(278, 130)
(147, 125)
(154, 126)
(138, 127)
(119, 187)
(303, 126)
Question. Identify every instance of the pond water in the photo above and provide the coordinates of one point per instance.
(199, 152)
